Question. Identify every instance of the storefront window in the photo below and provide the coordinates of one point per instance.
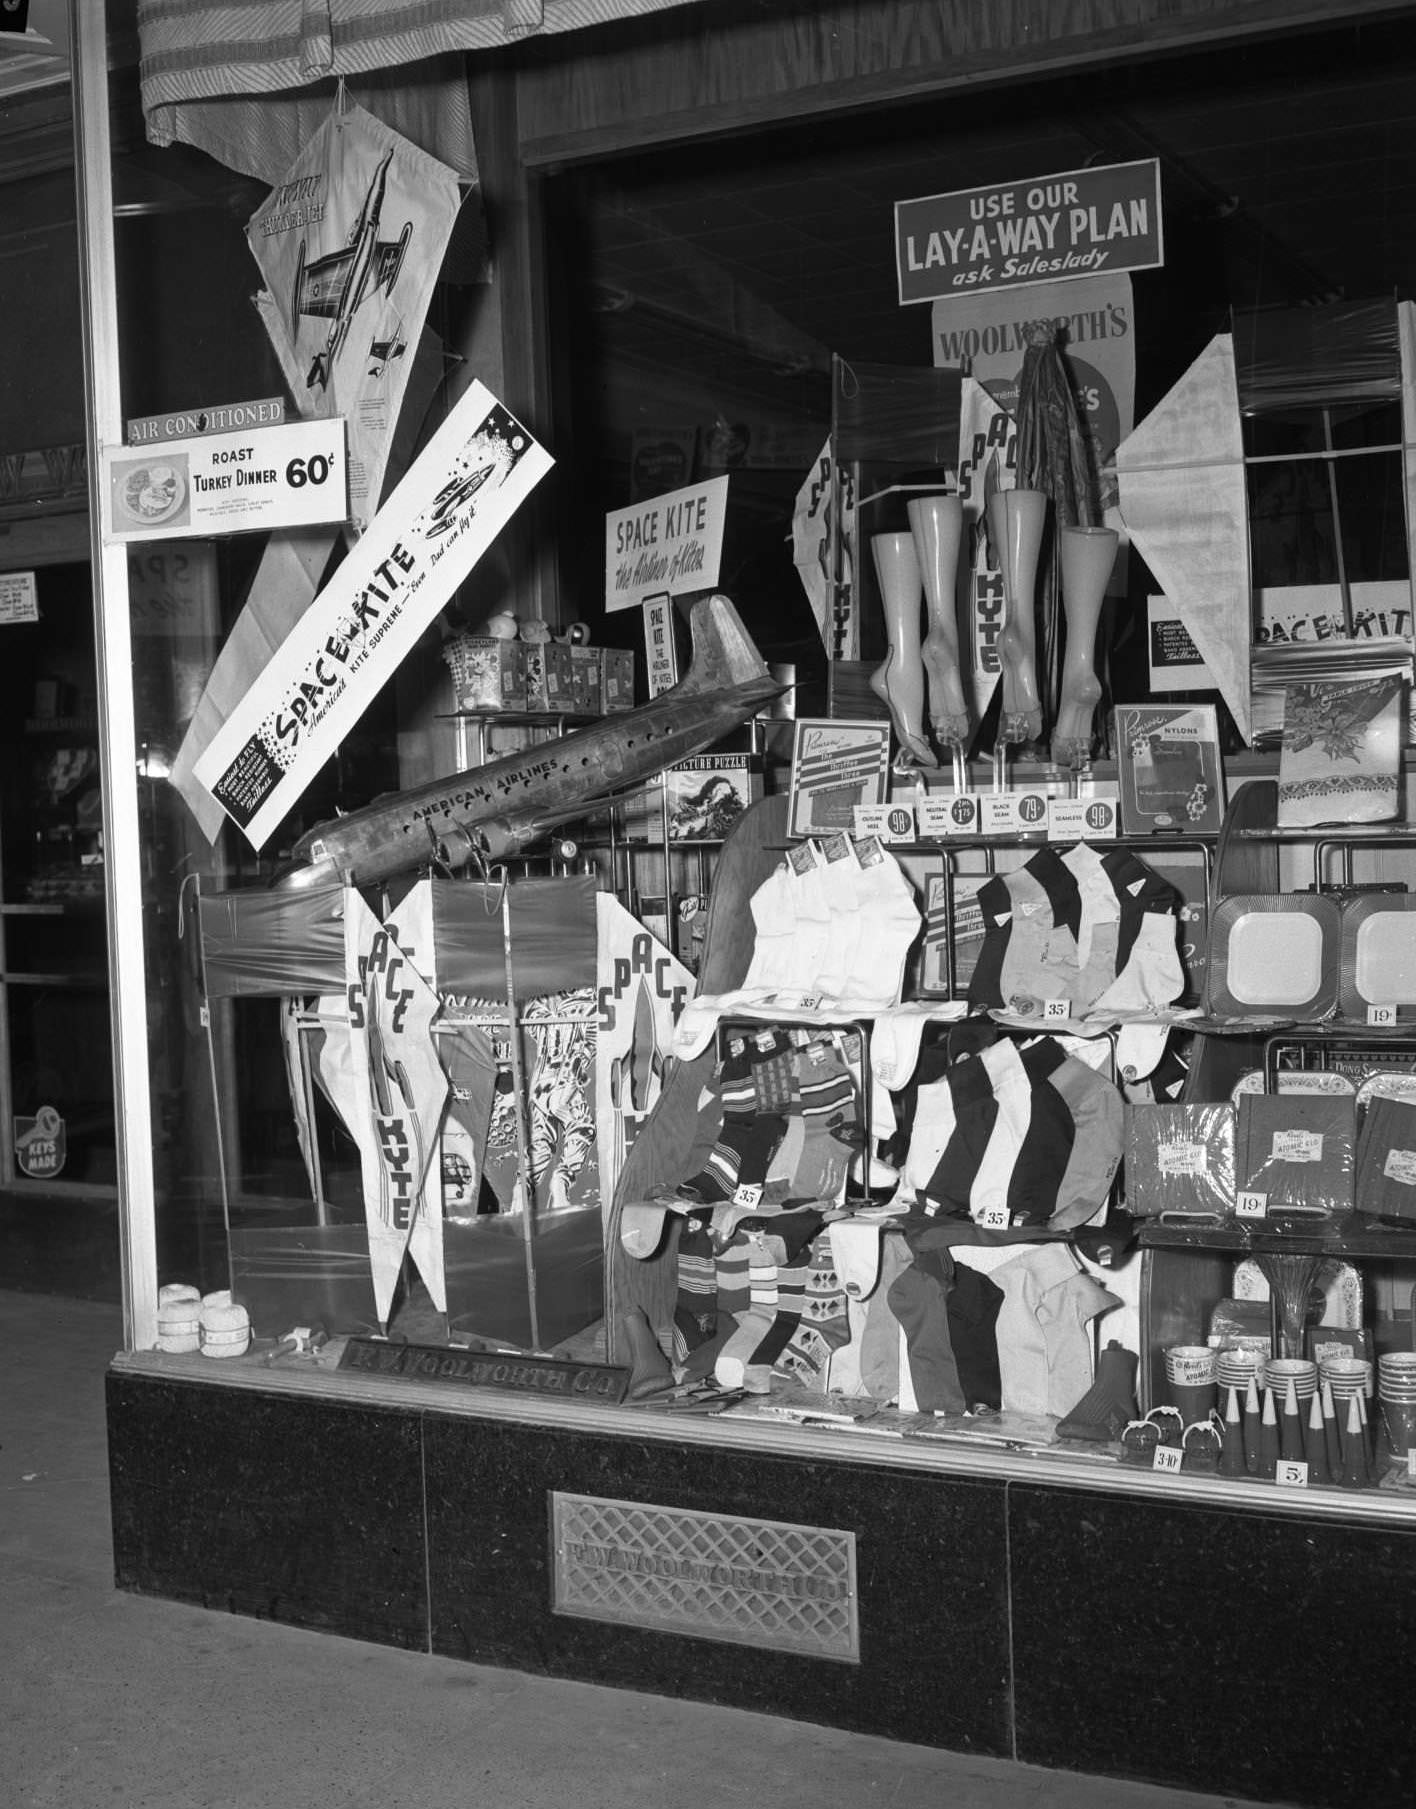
(732, 310)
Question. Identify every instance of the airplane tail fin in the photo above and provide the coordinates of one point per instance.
(723, 652)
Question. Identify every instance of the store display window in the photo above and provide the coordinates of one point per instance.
(915, 982)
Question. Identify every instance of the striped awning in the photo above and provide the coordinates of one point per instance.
(227, 75)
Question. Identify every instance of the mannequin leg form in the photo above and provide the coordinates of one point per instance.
(937, 524)
(1023, 515)
(899, 682)
(1086, 556)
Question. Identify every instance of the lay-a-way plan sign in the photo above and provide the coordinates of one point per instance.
(1047, 229)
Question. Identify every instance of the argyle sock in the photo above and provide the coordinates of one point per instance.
(753, 1325)
(774, 1071)
(824, 1327)
(889, 910)
(696, 1308)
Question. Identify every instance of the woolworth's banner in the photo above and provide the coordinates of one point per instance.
(475, 473)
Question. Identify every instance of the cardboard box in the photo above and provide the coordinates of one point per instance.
(487, 674)
(617, 687)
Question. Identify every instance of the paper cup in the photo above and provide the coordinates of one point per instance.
(1190, 1372)
(1346, 1376)
(1280, 1371)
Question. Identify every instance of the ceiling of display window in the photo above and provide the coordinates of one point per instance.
(1288, 173)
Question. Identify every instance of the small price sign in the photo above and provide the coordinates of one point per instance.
(1167, 1459)
(890, 822)
(1291, 1474)
(747, 1196)
(1251, 1206)
(1081, 819)
(956, 814)
(1381, 1017)
(1056, 1011)
(995, 1218)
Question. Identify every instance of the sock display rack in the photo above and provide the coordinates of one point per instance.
(1309, 1286)
(1019, 1118)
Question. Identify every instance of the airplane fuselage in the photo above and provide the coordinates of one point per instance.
(410, 828)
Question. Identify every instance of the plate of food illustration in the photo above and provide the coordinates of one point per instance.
(152, 494)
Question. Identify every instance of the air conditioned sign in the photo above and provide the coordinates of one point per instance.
(1077, 223)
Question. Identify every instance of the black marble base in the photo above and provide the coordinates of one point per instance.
(930, 1561)
(1258, 1654)
(1244, 1653)
(284, 1508)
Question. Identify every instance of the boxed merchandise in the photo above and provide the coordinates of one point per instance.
(617, 678)
(1180, 1161)
(1168, 766)
(705, 795)
(487, 674)
(1341, 755)
(587, 686)
(1295, 1153)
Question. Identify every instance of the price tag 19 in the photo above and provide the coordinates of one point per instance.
(1168, 1459)
(1251, 1206)
(1381, 1017)
(1291, 1474)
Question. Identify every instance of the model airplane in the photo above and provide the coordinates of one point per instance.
(334, 286)
(491, 812)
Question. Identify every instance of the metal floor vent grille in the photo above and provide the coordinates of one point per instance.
(715, 1576)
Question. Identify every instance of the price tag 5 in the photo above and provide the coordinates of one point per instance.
(1291, 1474)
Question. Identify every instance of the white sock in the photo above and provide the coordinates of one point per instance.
(892, 921)
(840, 880)
(855, 1250)
(811, 934)
(774, 919)
(1152, 977)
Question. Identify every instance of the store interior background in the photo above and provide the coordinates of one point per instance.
(695, 300)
